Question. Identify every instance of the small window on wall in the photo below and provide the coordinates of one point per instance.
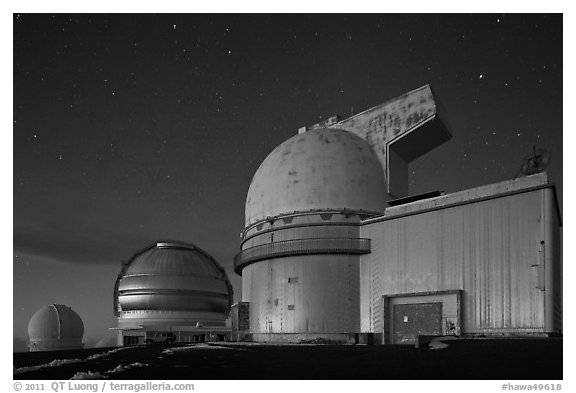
(292, 280)
(290, 307)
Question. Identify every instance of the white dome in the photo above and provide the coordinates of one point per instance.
(55, 327)
(55, 322)
(326, 169)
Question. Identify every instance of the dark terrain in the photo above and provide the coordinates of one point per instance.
(528, 359)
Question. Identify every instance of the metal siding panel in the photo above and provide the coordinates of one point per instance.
(553, 263)
(485, 248)
(365, 289)
(325, 298)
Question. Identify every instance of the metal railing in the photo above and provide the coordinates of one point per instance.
(300, 247)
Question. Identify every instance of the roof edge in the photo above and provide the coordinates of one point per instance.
(453, 199)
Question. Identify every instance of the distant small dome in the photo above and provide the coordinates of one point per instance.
(319, 169)
(55, 327)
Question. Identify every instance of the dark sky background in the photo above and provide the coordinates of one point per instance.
(134, 128)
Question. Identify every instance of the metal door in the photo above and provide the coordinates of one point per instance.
(411, 320)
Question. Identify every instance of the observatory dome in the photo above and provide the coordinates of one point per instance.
(325, 169)
(55, 327)
(173, 276)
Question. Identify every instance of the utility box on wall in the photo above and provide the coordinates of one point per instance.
(240, 321)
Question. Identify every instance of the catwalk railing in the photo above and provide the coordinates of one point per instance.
(287, 248)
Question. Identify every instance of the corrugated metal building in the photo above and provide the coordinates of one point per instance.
(480, 261)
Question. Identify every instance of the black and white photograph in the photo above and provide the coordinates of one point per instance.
(287, 196)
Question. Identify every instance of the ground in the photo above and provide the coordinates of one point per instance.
(527, 359)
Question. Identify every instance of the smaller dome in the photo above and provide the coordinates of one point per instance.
(173, 276)
(55, 327)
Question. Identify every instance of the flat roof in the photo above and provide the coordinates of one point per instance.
(490, 191)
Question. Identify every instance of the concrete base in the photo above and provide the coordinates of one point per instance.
(315, 338)
(422, 341)
(304, 338)
(244, 336)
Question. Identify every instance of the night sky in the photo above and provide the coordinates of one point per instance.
(134, 128)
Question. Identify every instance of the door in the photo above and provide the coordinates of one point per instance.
(411, 320)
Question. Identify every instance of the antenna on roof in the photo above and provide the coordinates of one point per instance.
(535, 162)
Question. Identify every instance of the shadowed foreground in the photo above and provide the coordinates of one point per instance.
(530, 359)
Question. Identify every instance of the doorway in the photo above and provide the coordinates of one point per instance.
(414, 319)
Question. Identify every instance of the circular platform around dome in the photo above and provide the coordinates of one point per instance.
(317, 170)
(54, 327)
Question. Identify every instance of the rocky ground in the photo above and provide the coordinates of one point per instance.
(526, 359)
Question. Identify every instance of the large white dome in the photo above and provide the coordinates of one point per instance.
(318, 170)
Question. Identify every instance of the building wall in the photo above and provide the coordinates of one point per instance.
(240, 318)
(489, 249)
(182, 335)
(553, 262)
(55, 344)
(303, 294)
(133, 319)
